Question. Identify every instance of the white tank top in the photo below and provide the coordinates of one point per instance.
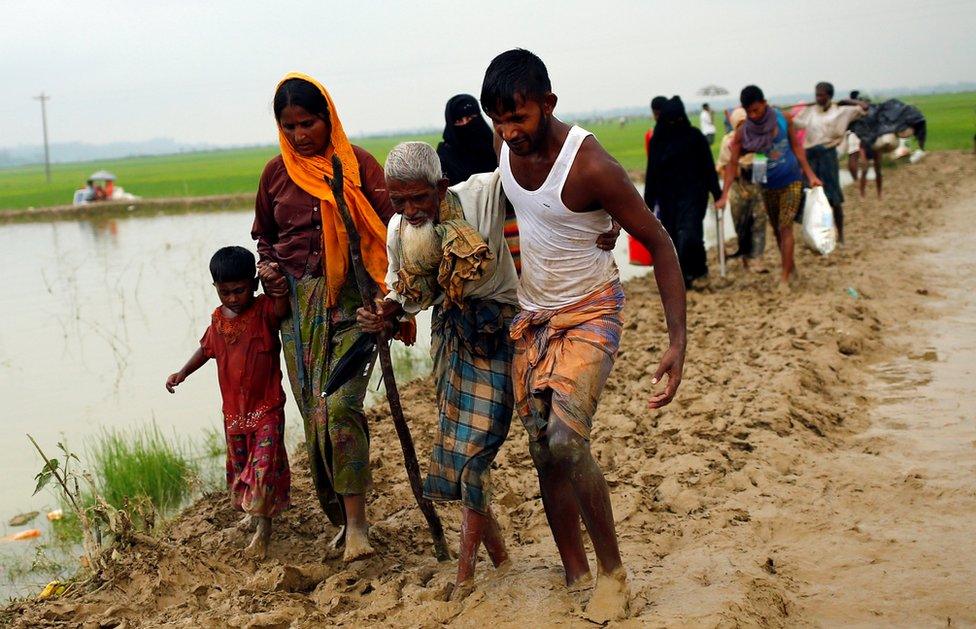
(561, 263)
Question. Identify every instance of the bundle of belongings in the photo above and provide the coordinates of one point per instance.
(885, 123)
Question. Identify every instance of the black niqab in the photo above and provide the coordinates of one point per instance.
(679, 159)
(466, 149)
(672, 132)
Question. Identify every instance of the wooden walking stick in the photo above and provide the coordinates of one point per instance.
(367, 290)
(720, 239)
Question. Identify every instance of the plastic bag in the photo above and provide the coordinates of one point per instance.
(759, 164)
(819, 232)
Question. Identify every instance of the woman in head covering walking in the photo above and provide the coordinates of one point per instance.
(299, 230)
(680, 176)
(468, 141)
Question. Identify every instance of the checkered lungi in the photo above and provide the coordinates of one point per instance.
(782, 204)
(472, 356)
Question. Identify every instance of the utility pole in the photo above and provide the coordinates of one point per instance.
(47, 155)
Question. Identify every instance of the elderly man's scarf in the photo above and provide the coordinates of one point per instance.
(757, 137)
(310, 174)
(465, 259)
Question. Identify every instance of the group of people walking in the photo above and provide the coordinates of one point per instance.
(764, 167)
(505, 232)
(514, 260)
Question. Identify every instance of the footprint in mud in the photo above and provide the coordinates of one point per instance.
(929, 356)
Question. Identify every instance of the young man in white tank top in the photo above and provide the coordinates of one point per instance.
(566, 189)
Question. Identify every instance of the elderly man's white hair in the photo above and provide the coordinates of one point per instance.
(413, 161)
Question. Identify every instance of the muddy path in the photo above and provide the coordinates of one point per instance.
(816, 467)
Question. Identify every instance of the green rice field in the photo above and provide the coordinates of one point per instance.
(951, 124)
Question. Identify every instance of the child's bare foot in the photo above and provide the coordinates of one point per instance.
(246, 524)
(258, 548)
(357, 544)
(611, 598)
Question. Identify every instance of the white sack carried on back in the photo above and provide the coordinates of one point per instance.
(819, 232)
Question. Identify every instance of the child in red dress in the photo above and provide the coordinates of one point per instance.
(243, 338)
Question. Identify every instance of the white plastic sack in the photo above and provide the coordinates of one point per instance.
(885, 143)
(819, 232)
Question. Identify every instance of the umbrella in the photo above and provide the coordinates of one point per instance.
(102, 174)
(357, 360)
(713, 90)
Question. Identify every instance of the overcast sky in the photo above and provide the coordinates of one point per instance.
(206, 71)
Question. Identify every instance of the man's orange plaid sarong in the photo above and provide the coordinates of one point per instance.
(569, 351)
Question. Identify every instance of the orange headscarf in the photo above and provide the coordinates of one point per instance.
(310, 174)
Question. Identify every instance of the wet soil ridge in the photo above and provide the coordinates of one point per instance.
(702, 491)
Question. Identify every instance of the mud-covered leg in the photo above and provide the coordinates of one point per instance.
(472, 533)
(571, 455)
(476, 528)
(494, 542)
(559, 500)
(258, 548)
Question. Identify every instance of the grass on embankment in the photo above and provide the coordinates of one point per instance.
(133, 469)
(950, 126)
(142, 463)
(138, 470)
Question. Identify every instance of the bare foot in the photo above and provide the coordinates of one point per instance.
(258, 548)
(793, 281)
(611, 598)
(357, 545)
(504, 567)
(459, 591)
(582, 582)
(247, 524)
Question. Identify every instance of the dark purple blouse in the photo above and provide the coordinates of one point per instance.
(288, 222)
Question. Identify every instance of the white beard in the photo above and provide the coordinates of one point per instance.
(421, 246)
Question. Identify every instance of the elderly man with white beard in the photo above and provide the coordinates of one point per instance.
(447, 249)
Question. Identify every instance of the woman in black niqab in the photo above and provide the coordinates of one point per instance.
(680, 176)
(467, 148)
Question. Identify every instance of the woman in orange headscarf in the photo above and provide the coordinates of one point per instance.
(298, 228)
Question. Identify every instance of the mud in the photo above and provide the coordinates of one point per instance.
(772, 492)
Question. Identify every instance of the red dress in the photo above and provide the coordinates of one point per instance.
(247, 351)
